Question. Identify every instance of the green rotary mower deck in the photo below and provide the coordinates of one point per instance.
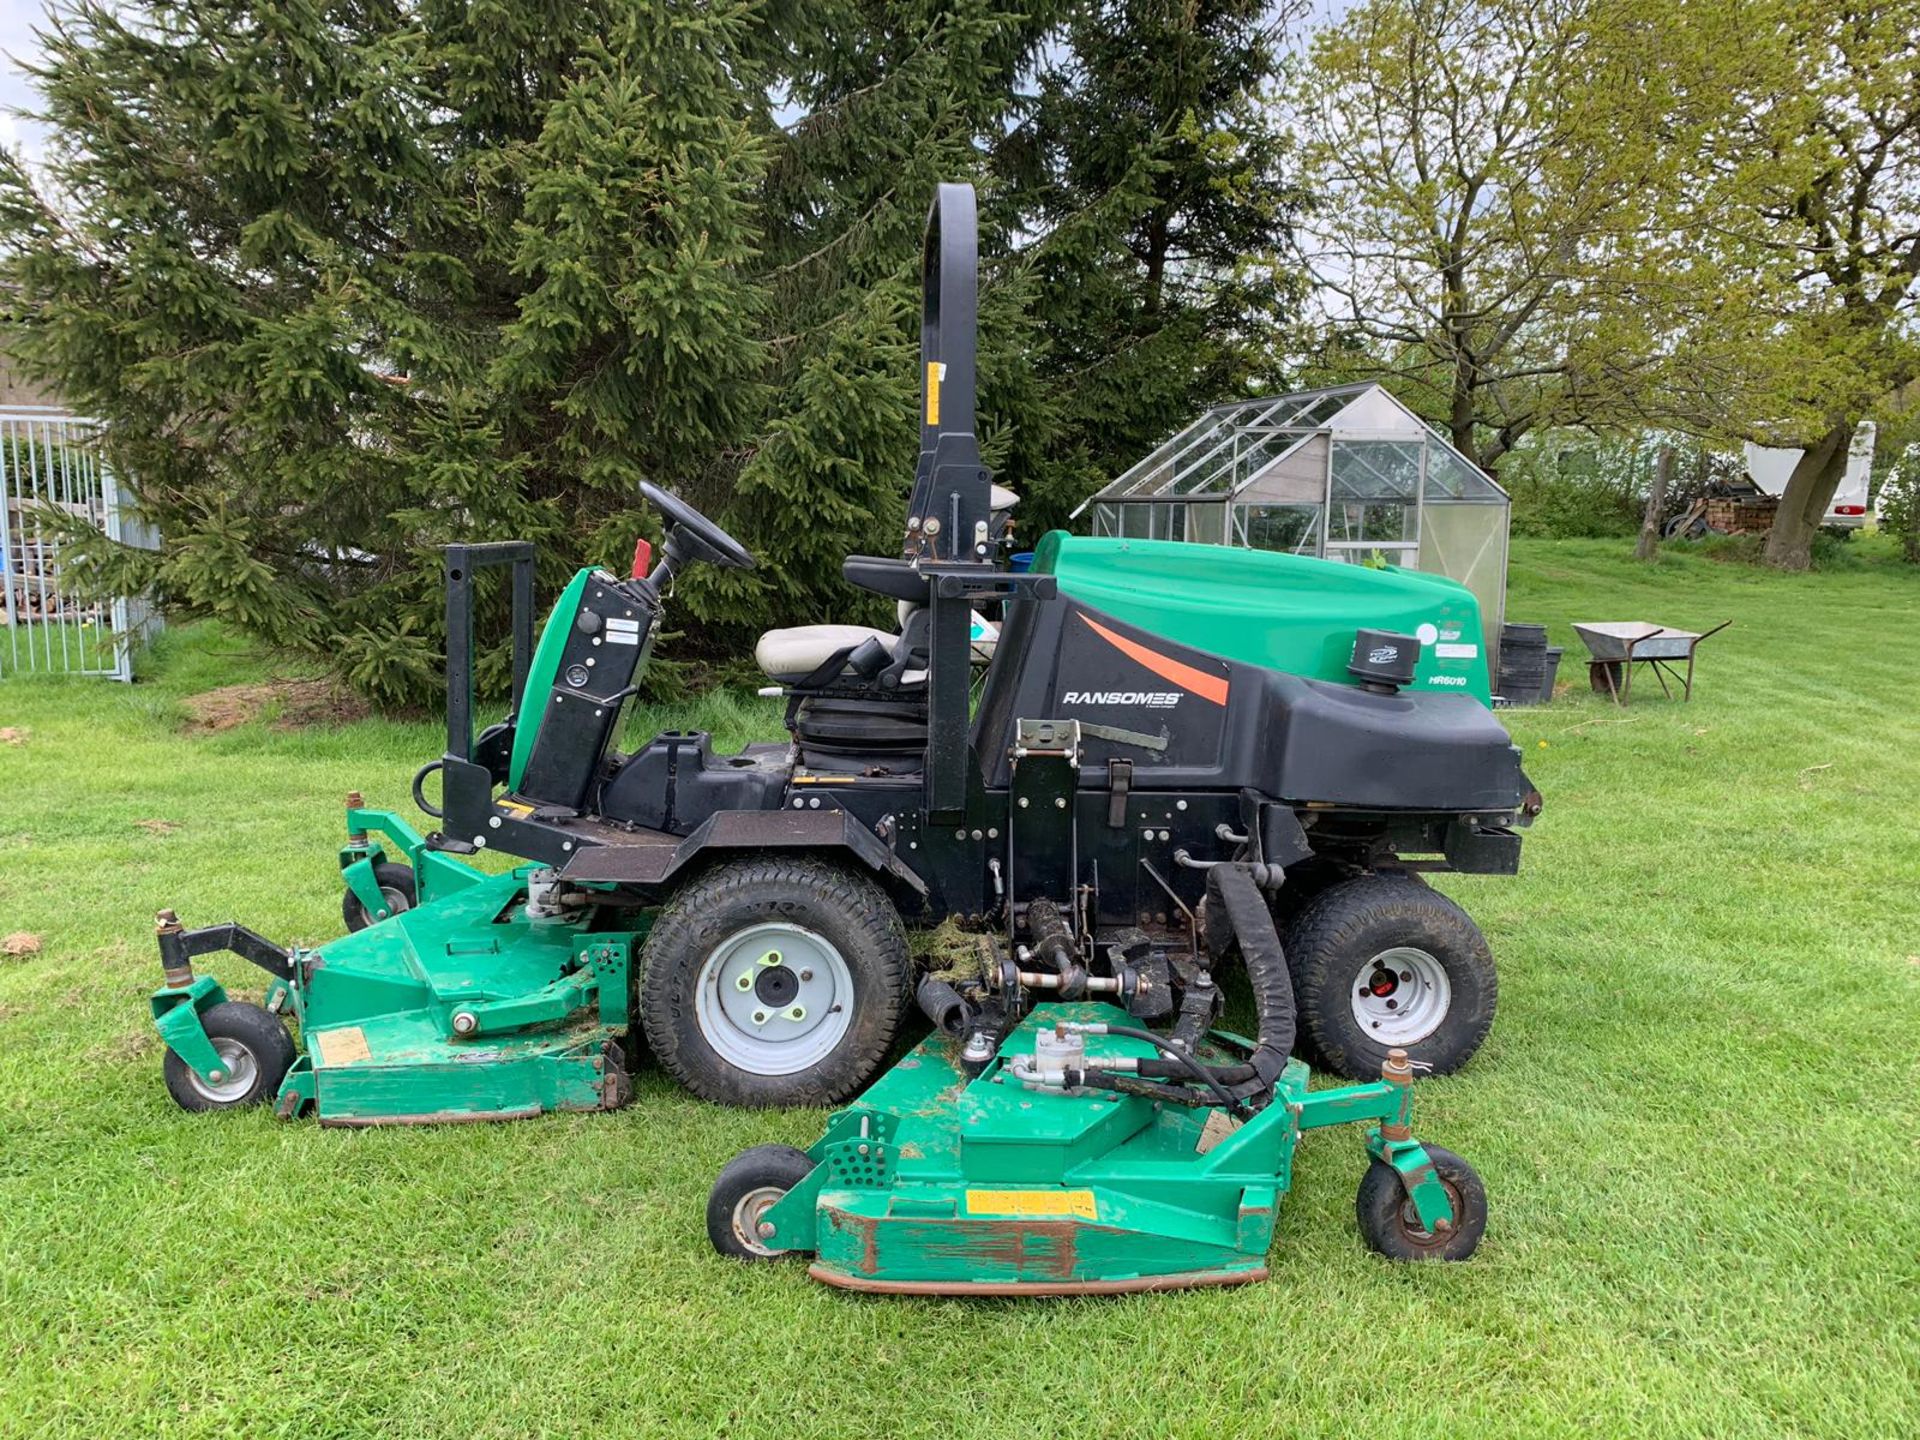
(463, 1008)
(937, 1183)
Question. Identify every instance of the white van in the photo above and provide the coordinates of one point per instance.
(1770, 468)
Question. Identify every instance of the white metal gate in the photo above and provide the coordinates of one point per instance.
(45, 464)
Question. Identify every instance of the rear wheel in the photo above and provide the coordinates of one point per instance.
(1382, 962)
(255, 1054)
(397, 888)
(751, 1184)
(776, 981)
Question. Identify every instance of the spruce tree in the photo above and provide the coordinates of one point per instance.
(349, 281)
(1159, 192)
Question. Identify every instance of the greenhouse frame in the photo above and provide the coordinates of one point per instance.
(1346, 473)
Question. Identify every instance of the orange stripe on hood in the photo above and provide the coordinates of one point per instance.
(1207, 687)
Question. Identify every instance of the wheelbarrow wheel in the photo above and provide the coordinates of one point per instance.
(257, 1053)
(1383, 962)
(397, 887)
(1391, 1226)
(751, 1184)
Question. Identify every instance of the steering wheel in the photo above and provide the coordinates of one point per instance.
(709, 542)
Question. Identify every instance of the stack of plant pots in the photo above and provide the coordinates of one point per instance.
(1527, 664)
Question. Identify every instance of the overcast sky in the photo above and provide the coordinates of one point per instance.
(17, 19)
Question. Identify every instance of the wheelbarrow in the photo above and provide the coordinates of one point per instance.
(1618, 645)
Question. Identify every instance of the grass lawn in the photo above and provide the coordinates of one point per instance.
(1698, 1116)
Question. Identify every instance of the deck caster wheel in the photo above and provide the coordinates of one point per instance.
(778, 981)
(397, 887)
(254, 1048)
(1382, 962)
(1390, 1225)
(751, 1184)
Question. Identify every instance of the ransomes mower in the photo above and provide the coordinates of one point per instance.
(1173, 755)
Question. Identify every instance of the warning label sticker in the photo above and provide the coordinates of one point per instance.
(1032, 1202)
(345, 1046)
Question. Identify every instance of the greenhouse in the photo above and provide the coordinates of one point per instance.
(1346, 473)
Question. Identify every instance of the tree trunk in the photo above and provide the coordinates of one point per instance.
(1656, 510)
(1809, 491)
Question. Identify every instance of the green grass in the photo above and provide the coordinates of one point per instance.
(1698, 1117)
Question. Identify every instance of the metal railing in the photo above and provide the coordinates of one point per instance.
(47, 466)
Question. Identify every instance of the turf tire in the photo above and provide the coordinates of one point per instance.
(1333, 940)
(265, 1039)
(1387, 1222)
(849, 910)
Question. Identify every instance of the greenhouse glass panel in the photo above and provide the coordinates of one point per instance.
(1294, 529)
(1297, 476)
(1376, 469)
(1451, 478)
(1379, 521)
(1207, 524)
(1468, 543)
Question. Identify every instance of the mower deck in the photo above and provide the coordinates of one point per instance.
(935, 1183)
(460, 1009)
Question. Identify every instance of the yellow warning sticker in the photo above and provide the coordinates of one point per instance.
(936, 372)
(515, 808)
(345, 1046)
(1032, 1202)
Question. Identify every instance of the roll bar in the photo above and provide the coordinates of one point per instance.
(950, 514)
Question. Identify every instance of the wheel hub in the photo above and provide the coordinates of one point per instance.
(1402, 996)
(776, 986)
(237, 1067)
(747, 1213)
(774, 998)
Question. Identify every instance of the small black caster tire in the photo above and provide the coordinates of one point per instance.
(258, 1051)
(396, 883)
(1384, 962)
(1390, 1225)
(747, 1187)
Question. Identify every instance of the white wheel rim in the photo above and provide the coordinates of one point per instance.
(774, 999)
(747, 1213)
(239, 1067)
(1400, 996)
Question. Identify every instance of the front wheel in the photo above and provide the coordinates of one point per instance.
(1382, 963)
(397, 888)
(777, 981)
(255, 1053)
(751, 1184)
(1390, 1224)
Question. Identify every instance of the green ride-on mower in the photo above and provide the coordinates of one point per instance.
(1093, 782)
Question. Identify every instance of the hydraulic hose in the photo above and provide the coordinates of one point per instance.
(944, 1005)
(1181, 1060)
(1234, 890)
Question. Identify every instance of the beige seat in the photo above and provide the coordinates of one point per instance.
(799, 650)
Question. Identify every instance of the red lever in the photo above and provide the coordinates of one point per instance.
(642, 559)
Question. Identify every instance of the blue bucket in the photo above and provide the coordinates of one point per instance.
(1020, 562)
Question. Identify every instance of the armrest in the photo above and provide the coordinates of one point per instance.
(896, 579)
